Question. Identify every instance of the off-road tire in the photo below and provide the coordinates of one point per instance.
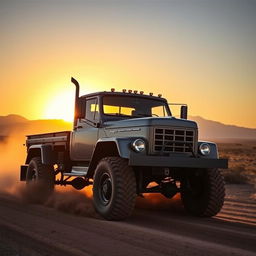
(40, 180)
(120, 181)
(204, 196)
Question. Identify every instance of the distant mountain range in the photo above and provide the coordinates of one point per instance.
(12, 119)
(211, 130)
(20, 126)
(218, 131)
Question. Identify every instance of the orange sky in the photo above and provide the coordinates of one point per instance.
(195, 52)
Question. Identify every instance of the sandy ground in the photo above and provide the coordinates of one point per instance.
(68, 225)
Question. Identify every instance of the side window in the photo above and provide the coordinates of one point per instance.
(92, 110)
(159, 111)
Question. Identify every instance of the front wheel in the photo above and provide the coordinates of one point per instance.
(114, 188)
(39, 180)
(203, 192)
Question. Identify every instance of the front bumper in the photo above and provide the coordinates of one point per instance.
(175, 161)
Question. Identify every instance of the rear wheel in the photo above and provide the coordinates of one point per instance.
(114, 188)
(203, 192)
(39, 180)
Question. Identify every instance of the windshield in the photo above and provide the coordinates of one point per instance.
(132, 107)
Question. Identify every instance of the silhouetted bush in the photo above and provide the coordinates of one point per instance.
(235, 175)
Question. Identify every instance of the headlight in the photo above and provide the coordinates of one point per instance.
(205, 149)
(139, 145)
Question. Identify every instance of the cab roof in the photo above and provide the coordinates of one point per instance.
(129, 94)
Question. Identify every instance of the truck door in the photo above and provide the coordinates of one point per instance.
(85, 135)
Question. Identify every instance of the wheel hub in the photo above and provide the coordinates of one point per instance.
(105, 188)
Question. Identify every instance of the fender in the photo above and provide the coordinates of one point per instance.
(110, 147)
(214, 150)
(46, 152)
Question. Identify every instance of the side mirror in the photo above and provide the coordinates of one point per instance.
(184, 112)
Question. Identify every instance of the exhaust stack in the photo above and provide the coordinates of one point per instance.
(74, 81)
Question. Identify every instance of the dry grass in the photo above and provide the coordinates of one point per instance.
(242, 162)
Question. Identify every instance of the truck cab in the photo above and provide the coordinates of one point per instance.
(102, 113)
(121, 143)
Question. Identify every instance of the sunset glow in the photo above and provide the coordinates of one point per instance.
(199, 54)
(60, 106)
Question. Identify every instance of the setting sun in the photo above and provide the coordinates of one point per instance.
(60, 106)
(182, 51)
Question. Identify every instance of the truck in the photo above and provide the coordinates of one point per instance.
(126, 144)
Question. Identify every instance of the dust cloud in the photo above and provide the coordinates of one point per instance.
(66, 199)
(12, 155)
(159, 202)
(73, 202)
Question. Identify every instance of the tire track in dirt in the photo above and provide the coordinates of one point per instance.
(50, 231)
(242, 211)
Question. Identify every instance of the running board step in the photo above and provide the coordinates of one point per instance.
(77, 171)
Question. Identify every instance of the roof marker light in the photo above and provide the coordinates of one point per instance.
(124, 90)
(141, 92)
(129, 91)
(112, 89)
(159, 95)
(151, 93)
(135, 91)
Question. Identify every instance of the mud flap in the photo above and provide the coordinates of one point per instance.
(23, 172)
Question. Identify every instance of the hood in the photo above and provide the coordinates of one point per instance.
(151, 121)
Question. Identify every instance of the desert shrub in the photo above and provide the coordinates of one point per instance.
(235, 176)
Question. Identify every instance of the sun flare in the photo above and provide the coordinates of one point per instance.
(60, 106)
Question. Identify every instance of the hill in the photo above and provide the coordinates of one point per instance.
(20, 126)
(12, 119)
(218, 131)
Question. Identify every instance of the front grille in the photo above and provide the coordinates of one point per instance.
(167, 140)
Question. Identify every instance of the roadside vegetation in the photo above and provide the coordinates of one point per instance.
(242, 162)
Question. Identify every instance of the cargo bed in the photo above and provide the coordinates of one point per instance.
(53, 138)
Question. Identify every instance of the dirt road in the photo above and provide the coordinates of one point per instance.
(27, 229)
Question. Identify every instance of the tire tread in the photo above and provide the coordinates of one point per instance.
(123, 204)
